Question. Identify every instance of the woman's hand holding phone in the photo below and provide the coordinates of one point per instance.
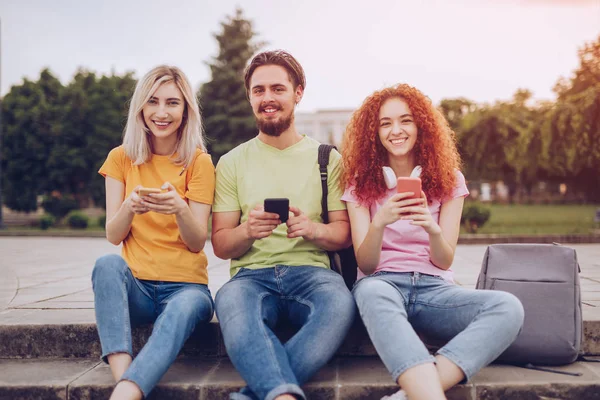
(410, 203)
(395, 208)
(420, 215)
(135, 203)
(166, 201)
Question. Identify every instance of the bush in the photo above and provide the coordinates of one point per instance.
(59, 206)
(78, 220)
(47, 221)
(102, 221)
(474, 216)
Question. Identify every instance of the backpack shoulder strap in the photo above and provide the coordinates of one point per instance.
(324, 151)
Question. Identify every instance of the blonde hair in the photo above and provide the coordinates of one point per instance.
(190, 135)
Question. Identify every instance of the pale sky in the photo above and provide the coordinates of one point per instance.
(480, 49)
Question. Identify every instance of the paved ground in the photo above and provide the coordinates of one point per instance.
(47, 280)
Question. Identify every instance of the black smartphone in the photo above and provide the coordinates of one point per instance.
(279, 206)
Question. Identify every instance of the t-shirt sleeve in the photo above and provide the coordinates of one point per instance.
(349, 196)
(201, 187)
(334, 190)
(460, 190)
(114, 166)
(226, 194)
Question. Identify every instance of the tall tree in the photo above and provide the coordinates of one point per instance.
(496, 142)
(455, 110)
(228, 118)
(571, 134)
(94, 117)
(586, 75)
(31, 116)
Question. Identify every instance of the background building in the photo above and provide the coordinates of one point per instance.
(326, 126)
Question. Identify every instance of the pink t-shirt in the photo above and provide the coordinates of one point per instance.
(405, 247)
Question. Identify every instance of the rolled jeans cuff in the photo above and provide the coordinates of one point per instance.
(288, 388)
(411, 363)
(456, 360)
(104, 357)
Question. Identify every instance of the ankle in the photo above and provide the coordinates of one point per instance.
(286, 397)
(126, 390)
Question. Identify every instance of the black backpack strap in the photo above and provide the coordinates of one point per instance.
(324, 151)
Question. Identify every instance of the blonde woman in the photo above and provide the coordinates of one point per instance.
(160, 276)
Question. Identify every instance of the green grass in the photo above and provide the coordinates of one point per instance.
(92, 226)
(504, 219)
(540, 219)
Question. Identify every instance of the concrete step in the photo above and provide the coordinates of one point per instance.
(58, 337)
(80, 340)
(363, 378)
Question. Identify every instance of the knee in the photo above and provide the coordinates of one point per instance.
(511, 309)
(231, 296)
(193, 305)
(342, 306)
(368, 291)
(108, 266)
(341, 298)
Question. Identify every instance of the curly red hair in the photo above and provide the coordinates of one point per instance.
(364, 155)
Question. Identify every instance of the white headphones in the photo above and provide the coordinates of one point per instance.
(390, 176)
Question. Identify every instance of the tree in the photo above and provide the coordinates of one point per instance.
(496, 142)
(585, 76)
(571, 133)
(228, 117)
(31, 117)
(455, 110)
(109, 101)
(94, 118)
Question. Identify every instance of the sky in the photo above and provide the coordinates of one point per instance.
(483, 50)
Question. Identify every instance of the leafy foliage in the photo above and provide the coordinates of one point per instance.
(47, 221)
(228, 117)
(474, 216)
(78, 220)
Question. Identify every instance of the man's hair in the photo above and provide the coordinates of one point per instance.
(136, 139)
(276, 57)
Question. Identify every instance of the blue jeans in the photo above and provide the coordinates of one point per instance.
(248, 307)
(122, 301)
(478, 325)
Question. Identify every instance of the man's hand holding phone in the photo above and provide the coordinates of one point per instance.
(263, 219)
(301, 226)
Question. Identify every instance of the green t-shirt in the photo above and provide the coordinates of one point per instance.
(254, 171)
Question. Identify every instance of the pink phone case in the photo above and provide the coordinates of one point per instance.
(409, 185)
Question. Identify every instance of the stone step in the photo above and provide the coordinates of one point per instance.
(363, 378)
(80, 340)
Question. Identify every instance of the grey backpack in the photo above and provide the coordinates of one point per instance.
(545, 277)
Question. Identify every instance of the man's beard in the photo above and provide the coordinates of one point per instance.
(275, 128)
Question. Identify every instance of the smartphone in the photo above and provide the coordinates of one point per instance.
(279, 206)
(405, 184)
(146, 191)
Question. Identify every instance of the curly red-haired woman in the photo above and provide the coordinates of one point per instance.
(405, 244)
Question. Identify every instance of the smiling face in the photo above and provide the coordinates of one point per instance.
(397, 129)
(163, 112)
(273, 97)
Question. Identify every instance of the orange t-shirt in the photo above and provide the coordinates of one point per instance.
(153, 249)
